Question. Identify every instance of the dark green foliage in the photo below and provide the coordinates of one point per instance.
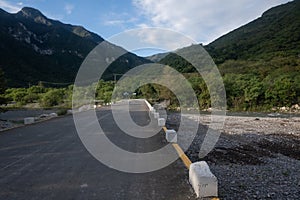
(281, 91)
(52, 98)
(46, 97)
(178, 62)
(62, 111)
(3, 99)
(104, 91)
(17, 95)
(275, 34)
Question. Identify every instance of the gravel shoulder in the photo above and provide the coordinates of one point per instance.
(254, 158)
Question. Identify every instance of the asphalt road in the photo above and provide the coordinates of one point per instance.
(48, 161)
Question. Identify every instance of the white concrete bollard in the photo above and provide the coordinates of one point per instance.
(171, 136)
(53, 115)
(203, 181)
(29, 120)
(156, 115)
(161, 122)
(153, 111)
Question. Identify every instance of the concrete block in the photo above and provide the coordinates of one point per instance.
(156, 115)
(53, 115)
(28, 120)
(153, 111)
(148, 104)
(161, 122)
(202, 180)
(171, 136)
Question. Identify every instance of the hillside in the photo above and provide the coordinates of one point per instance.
(275, 33)
(35, 48)
(259, 61)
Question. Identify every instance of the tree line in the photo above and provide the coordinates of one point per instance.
(244, 92)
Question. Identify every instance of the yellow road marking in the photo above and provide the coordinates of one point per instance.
(165, 129)
(187, 162)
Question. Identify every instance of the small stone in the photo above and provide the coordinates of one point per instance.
(84, 185)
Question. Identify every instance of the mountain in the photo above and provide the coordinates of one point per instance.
(259, 63)
(273, 39)
(157, 57)
(35, 48)
(276, 32)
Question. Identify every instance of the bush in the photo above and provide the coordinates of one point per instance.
(62, 111)
(53, 97)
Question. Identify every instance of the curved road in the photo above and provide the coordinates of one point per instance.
(48, 161)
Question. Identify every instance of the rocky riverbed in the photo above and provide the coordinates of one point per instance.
(254, 158)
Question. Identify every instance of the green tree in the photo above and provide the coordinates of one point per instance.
(3, 99)
(281, 91)
(53, 97)
(17, 95)
(104, 90)
(253, 91)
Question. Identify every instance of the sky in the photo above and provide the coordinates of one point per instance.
(201, 20)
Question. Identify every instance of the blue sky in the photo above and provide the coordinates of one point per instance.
(202, 20)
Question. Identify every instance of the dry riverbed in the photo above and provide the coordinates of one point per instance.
(254, 158)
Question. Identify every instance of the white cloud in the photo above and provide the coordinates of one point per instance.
(113, 22)
(203, 20)
(122, 20)
(151, 38)
(10, 7)
(69, 8)
(119, 22)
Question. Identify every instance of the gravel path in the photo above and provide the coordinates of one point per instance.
(255, 158)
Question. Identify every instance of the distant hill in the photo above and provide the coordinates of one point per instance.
(35, 48)
(276, 34)
(157, 57)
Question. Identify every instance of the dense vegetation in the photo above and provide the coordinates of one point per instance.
(54, 97)
(3, 100)
(244, 92)
(250, 85)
